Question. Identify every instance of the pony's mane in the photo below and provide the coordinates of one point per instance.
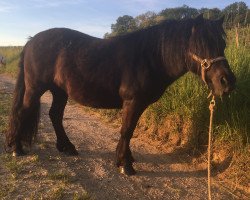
(168, 40)
(171, 39)
(208, 39)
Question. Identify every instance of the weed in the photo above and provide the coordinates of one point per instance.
(12, 165)
(6, 188)
(83, 196)
(57, 193)
(59, 176)
(5, 102)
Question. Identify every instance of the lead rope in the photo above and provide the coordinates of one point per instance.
(211, 108)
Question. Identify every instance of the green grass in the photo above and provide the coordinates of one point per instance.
(233, 114)
(12, 165)
(59, 176)
(5, 189)
(83, 196)
(57, 194)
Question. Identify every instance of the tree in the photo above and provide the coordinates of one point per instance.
(146, 19)
(213, 13)
(124, 25)
(247, 17)
(235, 13)
(179, 12)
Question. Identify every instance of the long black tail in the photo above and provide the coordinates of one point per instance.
(23, 122)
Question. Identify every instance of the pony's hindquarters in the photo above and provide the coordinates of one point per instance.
(24, 115)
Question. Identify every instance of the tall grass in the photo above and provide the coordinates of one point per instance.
(234, 113)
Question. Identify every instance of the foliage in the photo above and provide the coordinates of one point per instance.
(213, 13)
(235, 14)
(179, 12)
(145, 20)
(123, 25)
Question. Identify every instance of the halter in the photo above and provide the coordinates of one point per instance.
(205, 64)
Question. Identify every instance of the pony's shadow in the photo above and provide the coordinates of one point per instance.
(198, 173)
(141, 160)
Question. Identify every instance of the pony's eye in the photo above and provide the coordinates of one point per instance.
(223, 81)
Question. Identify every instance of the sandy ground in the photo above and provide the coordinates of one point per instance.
(160, 175)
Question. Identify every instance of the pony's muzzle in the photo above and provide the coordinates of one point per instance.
(228, 84)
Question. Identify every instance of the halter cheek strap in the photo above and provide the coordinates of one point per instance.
(205, 64)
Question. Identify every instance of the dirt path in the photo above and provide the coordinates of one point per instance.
(45, 172)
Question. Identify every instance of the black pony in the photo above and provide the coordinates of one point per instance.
(129, 72)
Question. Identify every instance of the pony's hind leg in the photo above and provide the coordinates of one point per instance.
(56, 115)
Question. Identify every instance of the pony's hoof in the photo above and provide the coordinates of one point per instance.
(17, 153)
(127, 170)
(118, 163)
(67, 149)
(132, 159)
(71, 152)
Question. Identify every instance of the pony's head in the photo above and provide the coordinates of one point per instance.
(206, 55)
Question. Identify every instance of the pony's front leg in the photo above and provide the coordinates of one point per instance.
(132, 111)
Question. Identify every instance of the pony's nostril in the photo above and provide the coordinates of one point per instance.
(223, 81)
(234, 79)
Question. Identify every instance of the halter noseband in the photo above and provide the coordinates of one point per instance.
(205, 64)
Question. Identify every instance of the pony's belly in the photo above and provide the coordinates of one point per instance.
(97, 99)
(101, 104)
(98, 94)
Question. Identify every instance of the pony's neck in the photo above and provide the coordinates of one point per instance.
(174, 47)
(164, 47)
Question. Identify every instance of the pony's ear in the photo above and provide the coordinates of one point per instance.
(197, 21)
(221, 20)
(199, 17)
